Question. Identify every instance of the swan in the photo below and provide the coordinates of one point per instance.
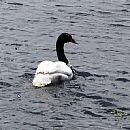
(49, 72)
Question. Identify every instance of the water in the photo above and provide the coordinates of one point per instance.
(98, 98)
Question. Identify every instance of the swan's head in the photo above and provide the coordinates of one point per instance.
(66, 37)
(62, 39)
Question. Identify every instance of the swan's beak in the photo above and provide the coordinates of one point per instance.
(73, 41)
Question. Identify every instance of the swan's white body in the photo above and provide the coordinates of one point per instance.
(51, 72)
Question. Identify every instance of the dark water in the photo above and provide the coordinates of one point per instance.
(99, 97)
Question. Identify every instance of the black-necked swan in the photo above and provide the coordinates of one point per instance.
(49, 72)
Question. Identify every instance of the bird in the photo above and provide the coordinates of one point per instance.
(49, 72)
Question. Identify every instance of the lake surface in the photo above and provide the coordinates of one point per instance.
(98, 98)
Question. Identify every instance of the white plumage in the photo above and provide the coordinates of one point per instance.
(51, 72)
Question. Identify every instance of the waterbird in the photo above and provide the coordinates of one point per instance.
(49, 72)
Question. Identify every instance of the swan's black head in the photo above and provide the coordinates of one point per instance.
(65, 37)
(62, 39)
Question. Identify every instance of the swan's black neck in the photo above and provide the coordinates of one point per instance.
(60, 51)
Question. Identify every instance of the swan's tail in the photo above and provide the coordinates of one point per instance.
(41, 80)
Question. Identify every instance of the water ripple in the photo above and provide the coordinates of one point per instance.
(106, 103)
(119, 25)
(5, 84)
(122, 79)
(91, 113)
(19, 4)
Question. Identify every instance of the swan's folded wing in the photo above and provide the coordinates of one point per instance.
(45, 67)
(49, 67)
(61, 67)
